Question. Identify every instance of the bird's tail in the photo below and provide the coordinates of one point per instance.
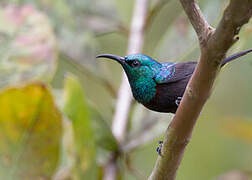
(234, 56)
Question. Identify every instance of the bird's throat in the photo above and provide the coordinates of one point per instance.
(143, 90)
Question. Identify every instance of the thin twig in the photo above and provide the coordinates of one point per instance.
(213, 49)
(120, 120)
(145, 134)
(136, 39)
(111, 169)
(199, 23)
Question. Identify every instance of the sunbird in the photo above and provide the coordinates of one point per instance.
(159, 86)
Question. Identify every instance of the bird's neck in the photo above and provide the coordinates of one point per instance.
(143, 89)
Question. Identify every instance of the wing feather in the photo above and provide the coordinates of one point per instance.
(175, 72)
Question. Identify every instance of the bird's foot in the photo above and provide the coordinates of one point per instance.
(159, 148)
(177, 101)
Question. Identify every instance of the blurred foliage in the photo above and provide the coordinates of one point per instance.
(240, 128)
(235, 175)
(27, 45)
(27, 150)
(37, 36)
(77, 111)
(103, 134)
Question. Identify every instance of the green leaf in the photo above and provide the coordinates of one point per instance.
(103, 134)
(77, 111)
(30, 133)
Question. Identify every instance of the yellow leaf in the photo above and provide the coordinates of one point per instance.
(30, 133)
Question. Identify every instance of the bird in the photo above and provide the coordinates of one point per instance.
(159, 86)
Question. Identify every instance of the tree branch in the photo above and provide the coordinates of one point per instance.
(136, 39)
(214, 45)
(200, 25)
(120, 121)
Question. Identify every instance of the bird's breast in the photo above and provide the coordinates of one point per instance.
(166, 96)
(143, 91)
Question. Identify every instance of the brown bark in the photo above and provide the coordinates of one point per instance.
(214, 45)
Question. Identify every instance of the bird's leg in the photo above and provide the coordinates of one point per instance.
(177, 101)
(159, 148)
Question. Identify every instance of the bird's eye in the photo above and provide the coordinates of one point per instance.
(134, 63)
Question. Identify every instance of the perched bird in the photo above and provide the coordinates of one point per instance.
(159, 86)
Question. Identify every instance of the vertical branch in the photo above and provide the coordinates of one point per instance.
(136, 39)
(213, 49)
(120, 120)
(199, 23)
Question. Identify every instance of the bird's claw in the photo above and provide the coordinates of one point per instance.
(177, 101)
(159, 148)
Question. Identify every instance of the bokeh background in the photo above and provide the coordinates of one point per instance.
(57, 101)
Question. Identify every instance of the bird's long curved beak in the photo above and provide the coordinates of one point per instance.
(111, 56)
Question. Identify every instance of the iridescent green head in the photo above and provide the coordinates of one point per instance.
(140, 70)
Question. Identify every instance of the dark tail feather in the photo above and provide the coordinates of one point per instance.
(234, 56)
